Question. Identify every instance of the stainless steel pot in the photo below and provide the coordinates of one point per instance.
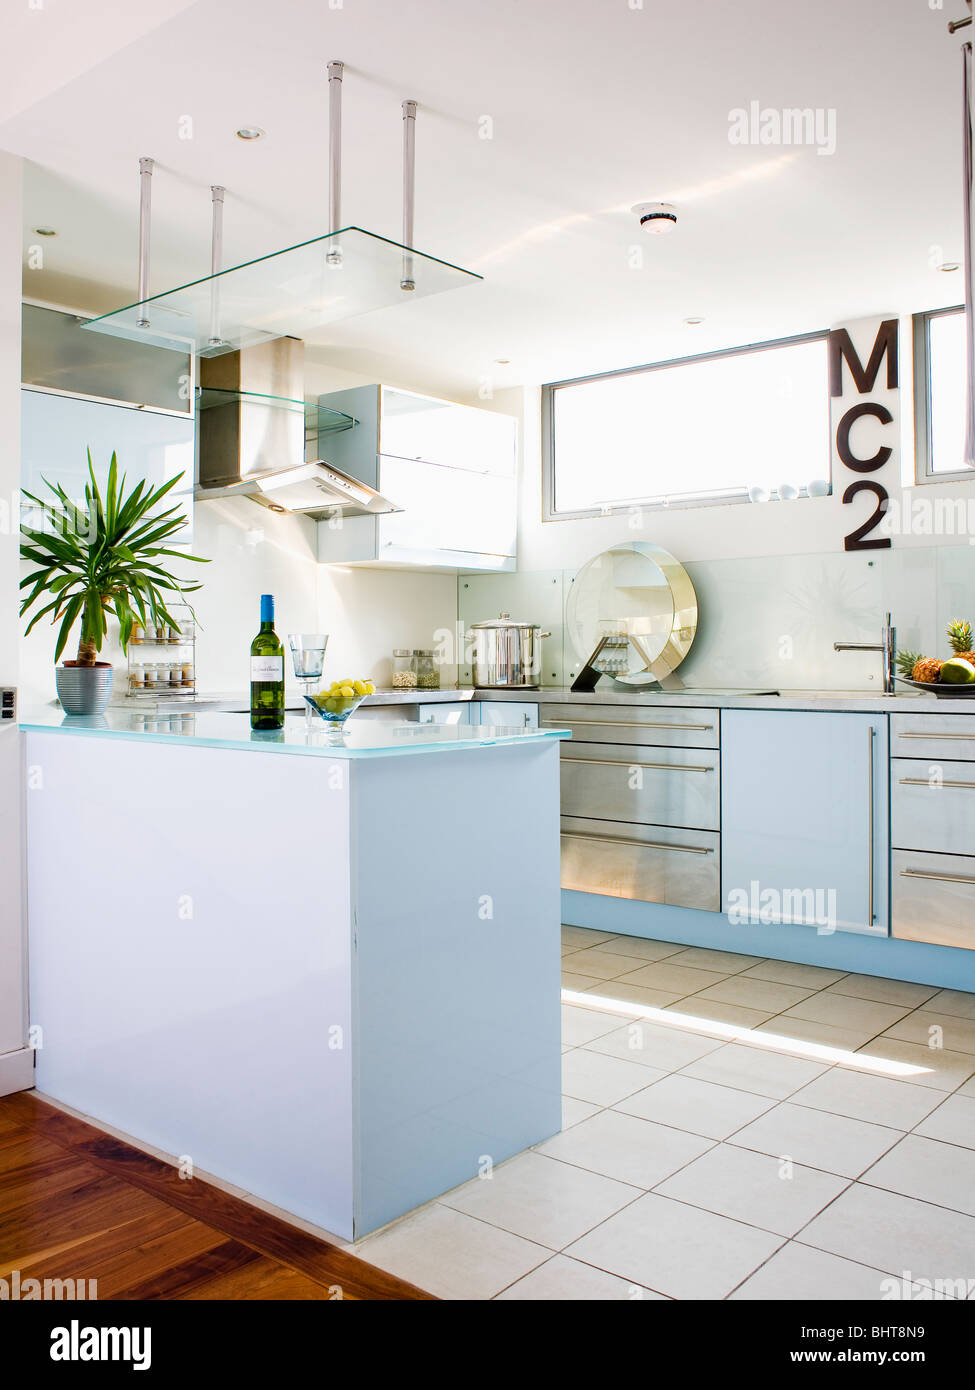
(506, 654)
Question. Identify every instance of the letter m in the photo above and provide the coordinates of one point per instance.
(841, 347)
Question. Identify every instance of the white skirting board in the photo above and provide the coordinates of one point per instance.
(16, 1071)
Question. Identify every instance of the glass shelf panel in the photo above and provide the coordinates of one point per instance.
(291, 292)
(318, 418)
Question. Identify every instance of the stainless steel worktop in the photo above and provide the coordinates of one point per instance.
(859, 700)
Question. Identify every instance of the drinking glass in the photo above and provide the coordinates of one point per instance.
(308, 655)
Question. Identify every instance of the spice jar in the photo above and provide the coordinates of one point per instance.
(427, 674)
(404, 670)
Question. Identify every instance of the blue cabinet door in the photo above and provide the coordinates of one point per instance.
(452, 712)
(509, 714)
(804, 819)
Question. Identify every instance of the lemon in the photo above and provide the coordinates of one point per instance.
(359, 687)
(347, 692)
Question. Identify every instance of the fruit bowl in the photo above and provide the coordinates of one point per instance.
(942, 690)
(341, 707)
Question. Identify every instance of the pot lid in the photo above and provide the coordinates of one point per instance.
(504, 620)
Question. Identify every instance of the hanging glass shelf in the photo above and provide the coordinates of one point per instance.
(288, 293)
(318, 418)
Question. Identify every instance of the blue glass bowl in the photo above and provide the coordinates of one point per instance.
(335, 718)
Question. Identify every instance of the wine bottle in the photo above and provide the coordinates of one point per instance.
(267, 672)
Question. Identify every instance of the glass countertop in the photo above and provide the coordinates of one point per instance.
(364, 739)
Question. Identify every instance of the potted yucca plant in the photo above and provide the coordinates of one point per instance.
(99, 561)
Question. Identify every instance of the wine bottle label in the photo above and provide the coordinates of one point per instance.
(267, 668)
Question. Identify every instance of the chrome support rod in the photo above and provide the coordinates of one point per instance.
(409, 190)
(335, 71)
(145, 220)
(956, 24)
(217, 192)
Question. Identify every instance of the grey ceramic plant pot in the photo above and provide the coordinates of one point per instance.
(84, 689)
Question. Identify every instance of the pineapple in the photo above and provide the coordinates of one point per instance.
(906, 661)
(927, 670)
(962, 640)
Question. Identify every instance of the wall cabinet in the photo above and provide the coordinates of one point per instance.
(57, 432)
(805, 819)
(450, 468)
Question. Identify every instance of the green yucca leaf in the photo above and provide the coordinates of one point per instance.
(103, 560)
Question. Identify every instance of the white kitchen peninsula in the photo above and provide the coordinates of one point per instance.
(327, 974)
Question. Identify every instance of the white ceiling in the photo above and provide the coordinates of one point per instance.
(595, 106)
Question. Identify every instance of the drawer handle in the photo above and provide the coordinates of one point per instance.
(938, 878)
(926, 782)
(641, 724)
(657, 767)
(949, 737)
(639, 844)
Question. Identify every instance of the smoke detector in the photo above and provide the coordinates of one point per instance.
(656, 218)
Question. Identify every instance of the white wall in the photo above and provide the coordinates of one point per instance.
(806, 527)
(12, 954)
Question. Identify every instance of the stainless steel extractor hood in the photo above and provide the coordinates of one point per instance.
(252, 439)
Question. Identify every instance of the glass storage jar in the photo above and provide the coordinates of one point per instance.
(427, 674)
(404, 670)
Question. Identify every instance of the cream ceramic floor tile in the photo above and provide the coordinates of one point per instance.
(941, 1070)
(575, 1110)
(641, 947)
(541, 1199)
(450, 1254)
(798, 1272)
(602, 1079)
(754, 994)
(565, 1280)
(834, 1143)
(698, 1107)
(632, 994)
(622, 1147)
(883, 991)
(807, 1030)
(676, 1249)
(679, 978)
(846, 1011)
(953, 1001)
(583, 1025)
(754, 1188)
(654, 1045)
(584, 936)
(772, 1074)
(928, 1170)
(787, 972)
(968, 1089)
(603, 965)
(697, 1008)
(897, 1234)
(578, 982)
(876, 1099)
(950, 1032)
(724, 962)
(953, 1122)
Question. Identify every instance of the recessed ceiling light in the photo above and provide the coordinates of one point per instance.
(44, 231)
(656, 218)
(250, 132)
(949, 266)
(693, 321)
(502, 361)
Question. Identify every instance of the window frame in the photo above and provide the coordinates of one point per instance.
(724, 498)
(921, 333)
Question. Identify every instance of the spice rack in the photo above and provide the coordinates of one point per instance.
(162, 662)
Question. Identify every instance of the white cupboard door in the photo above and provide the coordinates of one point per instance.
(460, 436)
(458, 712)
(804, 819)
(509, 714)
(446, 509)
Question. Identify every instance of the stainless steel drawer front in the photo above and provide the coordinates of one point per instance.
(932, 806)
(666, 726)
(933, 736)
(651, 863)
(933, 898)
(677, 786)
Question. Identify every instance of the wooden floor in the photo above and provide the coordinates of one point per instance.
(77, 1203)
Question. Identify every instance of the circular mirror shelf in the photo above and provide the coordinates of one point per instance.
(632, 615)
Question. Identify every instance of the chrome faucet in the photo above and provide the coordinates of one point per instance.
(886, 646)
